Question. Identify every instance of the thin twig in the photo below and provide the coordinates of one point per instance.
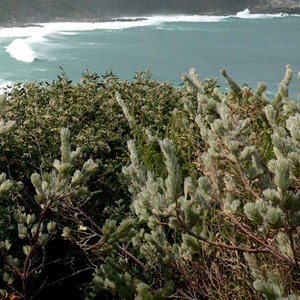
(127, 253)
(295, 256)
(99, 229)
(269, 248)
(245, 182)
(67, 277)
(183, 296)
(215, 243)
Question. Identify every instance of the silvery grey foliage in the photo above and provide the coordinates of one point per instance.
(248, 178)
(273, 183)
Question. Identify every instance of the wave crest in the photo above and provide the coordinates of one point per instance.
(28, 49)
(246, 14)
(21, 50)
(44, 29)
(30, 43)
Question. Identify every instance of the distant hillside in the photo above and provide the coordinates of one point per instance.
(30, 11)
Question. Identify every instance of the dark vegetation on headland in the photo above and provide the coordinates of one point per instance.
(20, 12)
(176, 193)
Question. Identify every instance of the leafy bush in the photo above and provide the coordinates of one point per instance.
(233, 222)
(95, 122)
(180, 193)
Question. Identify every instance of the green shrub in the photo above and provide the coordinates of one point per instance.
(96, 123)
(230, 230)
(175, 193)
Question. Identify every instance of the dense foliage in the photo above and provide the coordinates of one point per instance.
(174, 193)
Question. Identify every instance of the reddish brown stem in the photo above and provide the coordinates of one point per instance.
(269, 248)
(218, 244)
(245, 182)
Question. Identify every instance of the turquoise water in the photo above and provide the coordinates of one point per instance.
(251, 48)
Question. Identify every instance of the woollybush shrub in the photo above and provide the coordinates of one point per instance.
(141, 190)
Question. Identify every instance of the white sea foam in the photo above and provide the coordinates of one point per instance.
(43, 29)
(245, 14)
(5, 86)
(31, 43)
(20, 50)
(28, 49)
(185, 18)
(73, 27)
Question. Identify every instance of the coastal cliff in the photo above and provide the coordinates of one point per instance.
(277, 6)
(17, 12)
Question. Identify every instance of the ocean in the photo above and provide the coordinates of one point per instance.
(250, 47)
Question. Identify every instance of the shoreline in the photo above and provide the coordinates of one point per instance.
(257, 10)
(93, 20)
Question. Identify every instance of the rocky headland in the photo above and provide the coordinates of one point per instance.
(23, 12)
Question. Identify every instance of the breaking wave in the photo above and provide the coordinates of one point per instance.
(186, 18)
(28, 49)
(43, 29)
(31, 42)
(245, 14)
